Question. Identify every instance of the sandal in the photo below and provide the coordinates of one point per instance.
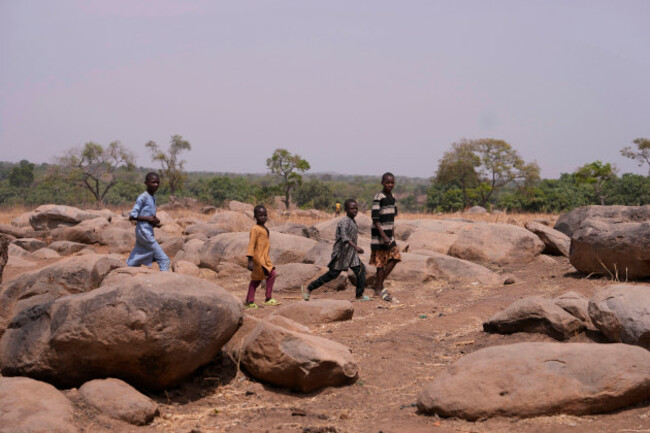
(251, 305)
(363, 298)
(385, 296)
(272, 302)
(305, 293)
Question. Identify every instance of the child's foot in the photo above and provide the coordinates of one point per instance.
(305, 293)
(363, 298)
(251, 305)
(271, 302)
(385, 296)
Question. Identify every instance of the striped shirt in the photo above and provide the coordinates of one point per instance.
(384, 210)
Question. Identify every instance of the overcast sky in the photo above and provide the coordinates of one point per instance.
(354, 87)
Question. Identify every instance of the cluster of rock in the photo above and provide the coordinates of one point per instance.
(87, 317)
(530, 379)
(550, 378)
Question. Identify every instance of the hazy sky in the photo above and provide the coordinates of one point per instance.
(354, 87)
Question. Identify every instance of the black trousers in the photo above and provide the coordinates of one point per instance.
(359, 271)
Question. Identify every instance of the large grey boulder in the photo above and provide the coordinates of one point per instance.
(69, 276)
(622, 313)
(151, 330)
(326, 230)
(535, 314)
(232, 247)
(30, 244)
(497, 244)
(571, 221)
(46, 218)
(454, 270)
(238, 206)
(618, 247)
(190, 252)
(292, 229)
(119, 400)
(293, 275)
(206, 229)
(534, 379)
(67, 248)
(90, 231)
(30, 406)
(16, 232)
(556, 242)
(233, 221)
(295, 360)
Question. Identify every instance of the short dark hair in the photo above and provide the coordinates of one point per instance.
(348, 202)
(385, 175)
(258, 208)
(150, 175)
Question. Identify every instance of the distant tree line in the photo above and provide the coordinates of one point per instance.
(486, 172)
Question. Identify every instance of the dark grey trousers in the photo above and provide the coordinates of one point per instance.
(359, 271)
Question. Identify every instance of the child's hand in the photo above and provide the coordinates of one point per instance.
(250, 265)
(386, 240)
(359, 250)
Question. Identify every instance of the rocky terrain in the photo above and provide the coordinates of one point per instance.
(536, 325)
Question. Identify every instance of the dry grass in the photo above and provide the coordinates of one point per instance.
(9, 213)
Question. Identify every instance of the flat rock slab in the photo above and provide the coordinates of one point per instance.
(533, 379)
(50, 217)
(293, 275)
(30, 406)
(497, 244)
(622, 313)
(535, 314)
(317, 311)
(555, 242)
(119, 400)
(295, 360)
(152, 330)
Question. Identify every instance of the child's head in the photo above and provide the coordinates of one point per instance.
(388, 181)
(260, 214)
(351, 207)
(152, 180)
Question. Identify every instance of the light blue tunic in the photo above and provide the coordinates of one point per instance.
(147, 249)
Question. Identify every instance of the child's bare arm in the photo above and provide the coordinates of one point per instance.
(251, 264)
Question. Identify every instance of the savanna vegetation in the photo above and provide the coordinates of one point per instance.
(486, 172)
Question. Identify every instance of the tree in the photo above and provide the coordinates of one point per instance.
(97, 168)
(500, 165)
(286, 165)
(642, 154)
(596, 174)
(458, 168)
(481, 167)
(315, 194)
(22, 175)
(172, 167)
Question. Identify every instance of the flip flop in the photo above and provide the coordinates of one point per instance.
(363, 299)
(385, 296)
(305, 293)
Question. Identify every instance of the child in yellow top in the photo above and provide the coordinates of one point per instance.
(259, 262)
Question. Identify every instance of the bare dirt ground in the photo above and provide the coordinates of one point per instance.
(399, 347)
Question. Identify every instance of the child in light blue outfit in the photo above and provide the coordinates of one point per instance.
(147, 249)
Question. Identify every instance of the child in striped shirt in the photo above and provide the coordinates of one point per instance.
(384, 253)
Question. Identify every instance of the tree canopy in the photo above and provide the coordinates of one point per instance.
(172, 167)
(641, 154)
(287, 165)
(95, 167)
